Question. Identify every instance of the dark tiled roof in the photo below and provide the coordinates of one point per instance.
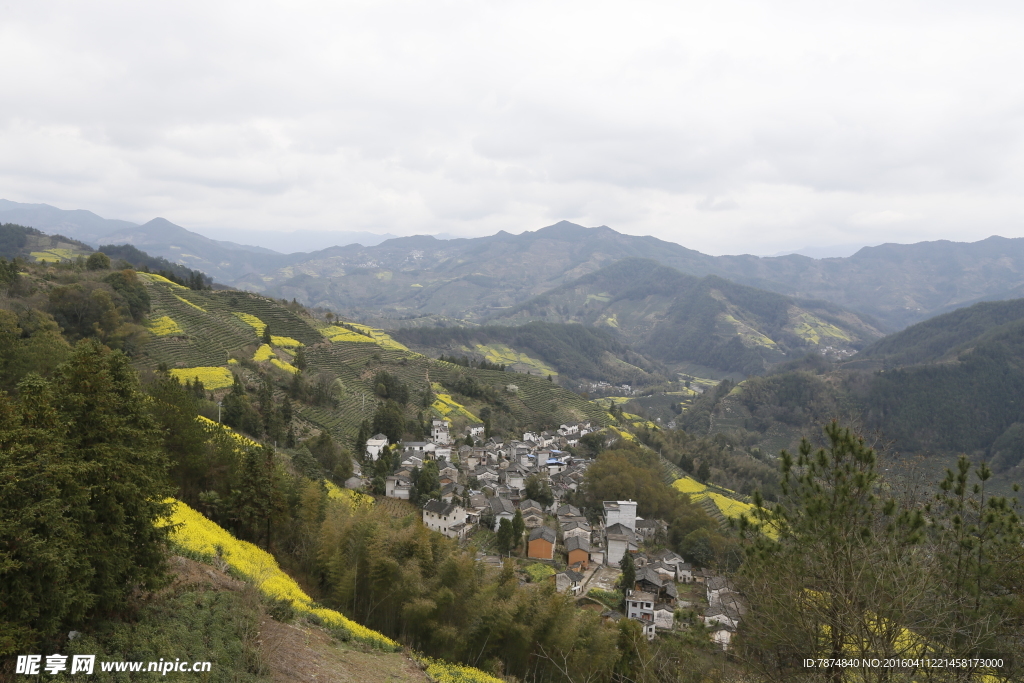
(577, 543)
(547, 533)
(439, 507)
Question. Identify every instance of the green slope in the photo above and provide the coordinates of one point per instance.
(678, 318)
(209, 331)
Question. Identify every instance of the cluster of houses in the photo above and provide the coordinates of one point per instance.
(491, 468)
(487, 482)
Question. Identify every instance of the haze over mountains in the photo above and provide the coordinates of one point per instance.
(478, 279)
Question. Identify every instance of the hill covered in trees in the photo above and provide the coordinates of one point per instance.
(711, 322)
(573, 350)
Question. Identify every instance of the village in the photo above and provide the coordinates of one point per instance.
(486, 486)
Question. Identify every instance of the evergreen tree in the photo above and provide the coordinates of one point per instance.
(505, 536)
(852, 564)
(628, 569)
(518, 528)
(300, 359)
(118, 443)
(267, 338)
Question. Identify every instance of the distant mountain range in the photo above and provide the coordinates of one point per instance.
(478, 279)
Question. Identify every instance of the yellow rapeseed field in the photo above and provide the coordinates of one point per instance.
(338, 334)
(252, 321)
(263, 353)
(285, 342)
(211, 377)
(196, 533)
(447, 406)
(186, 301)
(284, 366)
(164, 326)
(153, 277)
(353, 499)
(445, 672)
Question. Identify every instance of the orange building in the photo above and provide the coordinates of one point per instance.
(579, 551)
(542, 544)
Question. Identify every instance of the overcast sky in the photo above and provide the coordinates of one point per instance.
(728, 127)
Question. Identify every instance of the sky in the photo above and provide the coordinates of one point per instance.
(728, 127)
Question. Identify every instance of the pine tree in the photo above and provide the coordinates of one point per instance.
(125, 472)
(518, 528)
(267, 338)
(852, 564)
(628, 569)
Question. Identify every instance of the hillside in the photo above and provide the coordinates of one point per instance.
(204, 333)
(573, 351)
(689, 321)
(411, 277)
(954, 384)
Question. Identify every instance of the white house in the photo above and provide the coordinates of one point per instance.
(446, 518)
(620, 512)
(618, 540)
(439, 433)
(374, 445)
(640, 606)
(476, 430)
(569, 581)
(397, 486)
(502, 509)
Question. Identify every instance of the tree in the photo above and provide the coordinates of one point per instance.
(114, 437)
(267, 338)
(300, 359)
(505, 536)
(853, 563)
(389, 420)
(518, 527)
(97, 261)
(628, 570)
(537, 489)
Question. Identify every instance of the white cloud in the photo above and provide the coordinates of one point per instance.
(731, 126)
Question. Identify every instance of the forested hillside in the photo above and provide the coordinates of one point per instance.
(954, 384)
(573, 350)
(711, 322)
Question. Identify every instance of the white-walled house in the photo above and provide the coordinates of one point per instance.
(446, 518)
(374, 445)
(620, 512)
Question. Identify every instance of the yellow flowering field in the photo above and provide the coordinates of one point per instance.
(263, 353)
(212, 378)
(153, 277)
(53, 255)
(232, 361)
(689, 485)
(381, 337)
(285, 342)
(622, 433)
(252, 321)
(446, 405)
(338, 334)
(284, 366)
(164, 326)
(196, 533)
(244, 441)
(446, 672)
(353, 499)
(186, 301)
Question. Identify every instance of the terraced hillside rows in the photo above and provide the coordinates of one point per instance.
(207, 330)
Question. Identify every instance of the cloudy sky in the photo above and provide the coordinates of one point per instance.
(728, 127)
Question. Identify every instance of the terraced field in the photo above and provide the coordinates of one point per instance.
(209, 329)
(719, 502)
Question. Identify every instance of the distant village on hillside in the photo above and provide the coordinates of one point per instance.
(484, 485)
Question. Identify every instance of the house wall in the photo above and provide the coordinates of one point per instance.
(579, 555)
(541, 550)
